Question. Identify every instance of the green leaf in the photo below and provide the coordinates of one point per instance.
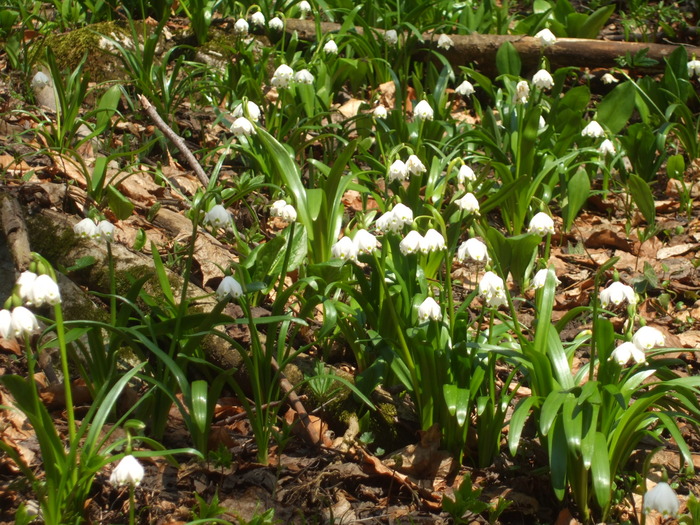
(642, 197)
(508, 60)
(106, 108)
(600, 470)
(550, 410)
(595, 22)
(521, 413)
(457, 400)
(558, 459)
(578, 190)
(199, 406)
(119, 204)
(675, 167)
(616, 108)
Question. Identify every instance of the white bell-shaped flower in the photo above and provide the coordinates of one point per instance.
(593, 130)
(663, 499)
(411, 243)
(445, 42)
(253, 111)
(492, 289)
(465, 174)
(616, 294)
(257, 19)
(304, 76)
(423, 111)
(465, 89)
(25, 286)
(398, 171)
(128, 472)
(542, 79)
(380, 112)
(6, 324)
(402, 214)
(242, 127)
(429, 310)
(608, 78)
(693, 68)
(474, 250)
(282, 76)
(45, 291)
(391, 37)
(217, 217)
(648, 337)
(414, 165)
(330, 48)
(86, 228)
(541, 224)
(540, 278)
(24, 322)
(468, 203)
(240, 27)
(546, 37)
(276, 24)
(284, 211)
(229, 287)
(625, 352)
(344, 249)
(606, 148)
(432, 241)
(522, 92)
(305, 8)
(105, 230)
(365, 242)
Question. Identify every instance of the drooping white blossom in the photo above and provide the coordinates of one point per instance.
(542, 79)
(257, 19)
(6, 324)
(445, 42)
(465, 89)
(284, 211)
(608, 78)
(25, 285)
(45, 291)
(253, 111)
(330, 48)
(429, 310)
(282, 76)
(229, 287)
(625, 352)
(391, 37)
(546, 37)
(432, 241)
(606, 148)
(86, 228)
(105, 230)
(24, 322)
(593, 130)
(474, 250)
(304, 76)
(218, 217)
(242, 127)
(465, 174)
(468, 203)
(240, 27)
(663, 499)
(380, 112)
(403, 214)
(305, 8)
(616, 294)
(522, 91)
(540, 278)
(693, 68)
(128, 472)
(423, 111)
(541, 224)
(344, 249)
(414, 165)
(397, 171)
(411, 243)
(365, 242)
(276, 24)
(648, 337)
(492, 289)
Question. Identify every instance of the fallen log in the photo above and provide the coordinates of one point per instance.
(480, 50)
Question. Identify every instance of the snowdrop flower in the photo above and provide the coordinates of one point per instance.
(593, 129)
(648, 337)
(663, 499)
(128, 472)
(398, 171)
(105, 230)
(522, 91)
(541, 224)
(402, 214)
(282, 76)
(218, 217)
(304, 76)
(380, 112)
(465, 89)
(331, 48)
(387, 223)
(86, 228)
(432, 241)
(606, 148)
(492, 289)
(429, 309)
(473, 249)
(41, 79)
(240, 27)
(541, 124)
(626, 352)
(6, 324)
(257, 19)
(229, 288)
(253, 111)
(391, 37)
(540, 278)
(411, 243)
(243, 127)
(25, 285)
(414, 165)
(23, 322)
(423, 111)
(344, 249)
(445, 42)
(608, 78)
(276, 24)
(468, 203)
(693, 69)
(365, 242)
(465, 173)
(542, 79)
(283, 210)
(617, 293)
(546, 37)
(305, 8)
(45, 291)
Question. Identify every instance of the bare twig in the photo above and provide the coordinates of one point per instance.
(175, 139)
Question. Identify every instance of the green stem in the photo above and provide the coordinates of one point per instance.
(132, 504)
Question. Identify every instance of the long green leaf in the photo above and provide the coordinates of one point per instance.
(600, 470)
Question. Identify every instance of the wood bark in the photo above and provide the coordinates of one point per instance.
(480, 50)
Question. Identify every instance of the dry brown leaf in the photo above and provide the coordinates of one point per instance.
(673, 251)
(351, 107)
(140, 188)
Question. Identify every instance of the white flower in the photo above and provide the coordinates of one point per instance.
(229, 287)
(284, 211)
(465, 89)
(398, 171)
(25, 285)
(540, 278)
(403, 214)
(45, 291)
(331, 48)
(617, 293)
(607, 78)
(86, 228)
(465, 173)
(411, 243)
(243, 127)
(380, 112)
(663, 499)
(423, 111)
(522, 91)
(240, 27)
(105, 230)
(128, 472)
(276, 24)
(6, 324)
(391, 37)
(648, 337)
(304, 76)
(593, 129)
(541, 124)
(218, 217)
(473, 249)
(546, 37)
(606, 148)
(305, 8)
(541, 224)
(542, 79)
(445, 42)
(432, 241)
(282, 76)
(468, 203)
(257, 19)
(365, 242)
(492, 289)
(429, 309)
(253, 111)
(693, 69)
(23, 322)
(626, 351)
(344, 249)
(41, 80)
(414, 165)
(386, 223)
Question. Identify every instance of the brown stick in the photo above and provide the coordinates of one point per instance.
(175, 139)
(481, 49)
